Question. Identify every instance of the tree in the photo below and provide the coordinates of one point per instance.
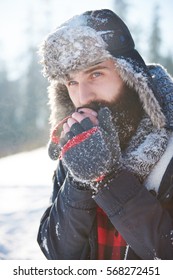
(155, 39)
(9, 102)
(168, 63)
(35, 119)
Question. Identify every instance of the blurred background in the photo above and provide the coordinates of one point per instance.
(24, 24)
(25, 170)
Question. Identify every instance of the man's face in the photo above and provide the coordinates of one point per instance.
(99, 83)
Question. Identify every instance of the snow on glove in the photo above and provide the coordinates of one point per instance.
(92, 152)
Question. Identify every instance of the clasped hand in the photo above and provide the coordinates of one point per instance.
(90, 145)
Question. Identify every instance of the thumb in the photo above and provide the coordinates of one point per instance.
(53, 150)
(110, 131)
(105, 120)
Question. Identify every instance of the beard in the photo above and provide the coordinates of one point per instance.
(127, 112)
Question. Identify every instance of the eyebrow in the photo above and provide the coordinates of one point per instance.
(87, 71)
(97, 67)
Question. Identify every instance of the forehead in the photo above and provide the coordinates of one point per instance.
(107, 65)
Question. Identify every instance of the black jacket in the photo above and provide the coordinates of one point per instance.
(68, 227)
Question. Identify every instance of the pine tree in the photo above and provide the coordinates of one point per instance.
(155, 38)
(36, 110)
(9, 103)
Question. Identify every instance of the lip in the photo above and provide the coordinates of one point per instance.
(95, 106)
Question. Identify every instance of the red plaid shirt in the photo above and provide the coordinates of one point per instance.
(111, 245)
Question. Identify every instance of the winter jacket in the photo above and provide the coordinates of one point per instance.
(138, 201)
(142, 213)
(68, 227)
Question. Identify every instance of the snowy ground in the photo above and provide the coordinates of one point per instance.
(25, 188)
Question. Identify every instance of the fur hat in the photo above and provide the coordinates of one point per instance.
(85, 40)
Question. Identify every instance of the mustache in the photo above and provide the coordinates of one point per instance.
(95, 105)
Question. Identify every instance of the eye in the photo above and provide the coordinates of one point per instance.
(96, 74)
(72, 83)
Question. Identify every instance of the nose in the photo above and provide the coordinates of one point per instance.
(86, 93)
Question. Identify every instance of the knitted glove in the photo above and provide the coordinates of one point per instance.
(92, 152)
(54, 146)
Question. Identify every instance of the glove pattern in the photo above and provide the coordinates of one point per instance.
(91, 152)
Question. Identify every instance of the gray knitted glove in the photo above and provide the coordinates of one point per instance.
(92, 152)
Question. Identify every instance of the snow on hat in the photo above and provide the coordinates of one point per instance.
(86, 40)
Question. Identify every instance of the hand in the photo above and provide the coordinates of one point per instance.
(72, 124)
(56, 142)
(90, 145)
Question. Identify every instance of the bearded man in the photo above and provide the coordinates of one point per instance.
(112, 195)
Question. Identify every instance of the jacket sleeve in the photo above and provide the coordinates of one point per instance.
(139, 217)
(67, 223)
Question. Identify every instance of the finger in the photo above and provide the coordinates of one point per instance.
(88, 111)
(62, 134)
(92, 118)
(64, 138)
(66, 128)
(86, 124)
(76, 128)
(80, 117)
(71, 121)
(69, 135)
(53, 150)
(62, 142)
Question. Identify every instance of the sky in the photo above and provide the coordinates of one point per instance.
(27, 22)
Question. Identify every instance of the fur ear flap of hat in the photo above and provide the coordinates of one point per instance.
(139, 78)
(86, 40)
(164, 89)
(59, 102)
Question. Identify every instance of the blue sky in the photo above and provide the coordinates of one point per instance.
(18, 18)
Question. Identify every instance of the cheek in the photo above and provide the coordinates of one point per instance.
(74, 99)
(111, 91)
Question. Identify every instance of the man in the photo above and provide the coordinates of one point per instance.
(113, 189)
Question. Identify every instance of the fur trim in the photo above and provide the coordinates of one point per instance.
(66, 50)
(164, 86)
(153, 181)
(61, 105)
(86, 40)
(145, 149)
(136, 78)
